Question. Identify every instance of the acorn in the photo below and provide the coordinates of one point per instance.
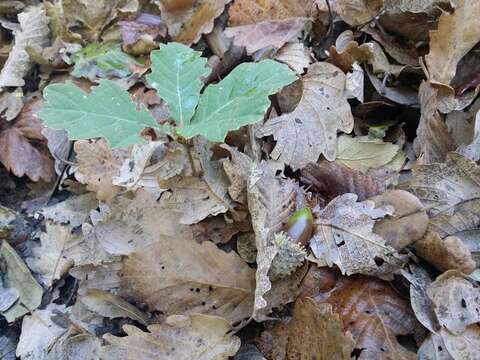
(300, 226)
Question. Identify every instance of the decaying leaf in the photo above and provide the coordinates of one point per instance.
(97, 164)
(375, 315)
(456, 300)
(344, 237)
(139, 34)
(188, 20)
(457, 33)
(315, 331)
(311, 129)
(357, 12)
(74, 211)
(16, 275)
(32, 33)
(257, 25)
(181, 276)
(181, 337)
(464, 345)
(295, 55)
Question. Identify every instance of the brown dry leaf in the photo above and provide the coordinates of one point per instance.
(23, 149)
(271, 200)
(259, 24)
(182, 276)
(456, 300)
(332, 179)
(295, 55)
(344, 237)
(407, 224)
(375, 315)
(97, 164)
(347, 51)
(149, 163)
(441, 186)
(192, 199)
(357, 12)
(139, 34)
(187, 20)
(198, 337)
(104, 276)
(433, 140)
(111, 306)
(33, 32)
(131, 222)
(456, 35)
(315, 332)
(218, 230)
(74, 211)
(311, 129)
(237, 170)
(443, 245)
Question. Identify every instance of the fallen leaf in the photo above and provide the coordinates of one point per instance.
(237, 170)
(472, 150)
(457, 33)
(375, 315)
(186, 277)
(111, 306)
(456, 300)
(16, 275)
(218, 230)
(130, 222)
(331, 179)
(433, 348)
(257, 25)
(59, 146)
(33, 33)
(7, 347)
(181, 337)
(363, 153)
(11, 103)
(464, 345)
(315, 331)
(139, 34)
(407, 224)
(188, 20)
(344, 237)
(97, 164)
(310, 130)
(295, 55)
(358, 12)
(105, 276)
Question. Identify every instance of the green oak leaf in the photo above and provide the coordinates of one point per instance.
(239, 99)
(102, 60)
(107, 111)
(176, 73)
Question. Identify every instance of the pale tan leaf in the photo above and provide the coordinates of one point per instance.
(344, 237)
(181, 276)
(188, 20)
(128, 224)
(111, 306)
(11, 103)
(97, 164)
(104, 276)
(464, 345)
(295, 55)
(198, 337)
(433, 348)
(413, 6)
(357, 12)
(32, 33)
(311, 129)
(456, 300)
(237, 170)
(315, 331)
(456, 34)
(362, 153)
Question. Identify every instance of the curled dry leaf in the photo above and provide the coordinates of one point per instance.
(407, 224)
(457, 33)
(188, 20)
(180, 337)
(375, 315)
(311, 129)
(139, 35)
(344, 237)
(237, 170)
(32, 33)
(314, 331)
(456, 300)
(295, 55)
(358, 12)
(331, 179)
(97, 164)
(117, 226)
(182, 276)
(23, 149)
(257, 25)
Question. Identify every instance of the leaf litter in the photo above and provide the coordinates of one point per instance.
(214, 179)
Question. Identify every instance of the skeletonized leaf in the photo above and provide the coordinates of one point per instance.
(239, 99)
(181, 276)
(311, 129)
(107, 111)
(197, 336)
(176, 73)
(344, 237)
